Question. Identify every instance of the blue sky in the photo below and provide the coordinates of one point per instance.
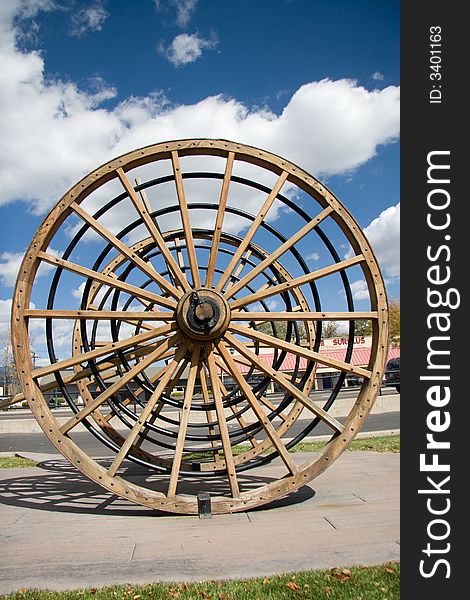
(84, 81)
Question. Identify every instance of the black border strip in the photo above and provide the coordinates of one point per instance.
(433, 130)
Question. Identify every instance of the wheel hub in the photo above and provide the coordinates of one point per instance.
(203, 314)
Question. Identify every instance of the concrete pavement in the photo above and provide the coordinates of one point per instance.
(61, 531)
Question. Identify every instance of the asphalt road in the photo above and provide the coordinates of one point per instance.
(38, 442)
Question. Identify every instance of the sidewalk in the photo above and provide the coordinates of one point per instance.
(61, 531)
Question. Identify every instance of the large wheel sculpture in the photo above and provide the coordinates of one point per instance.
(182, 298)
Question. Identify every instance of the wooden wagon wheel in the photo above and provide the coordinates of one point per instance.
(187, 262)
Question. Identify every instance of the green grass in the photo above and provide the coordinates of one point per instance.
(389, 443)
(384, 443)
(357, 583)
(13, 462)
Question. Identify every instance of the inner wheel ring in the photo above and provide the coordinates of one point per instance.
(191, 313)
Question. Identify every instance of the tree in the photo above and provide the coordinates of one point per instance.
(281, 329)
(330, 329)
(10, 381)
(362, 327)
(394, 323)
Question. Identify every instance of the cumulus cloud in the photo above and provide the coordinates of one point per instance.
(5, 316)
(78, 293)
(383, 234)
(377, 76)
(184, 9)
(313, 256)
(53, 133)
(88, 18)
(359, 290)
(10, 265)
(186, 48)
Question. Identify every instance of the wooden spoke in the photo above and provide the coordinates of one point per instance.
(238, 270)
(153, 230)
(237, 359)
(300, 351)
(131, 321)
(219, 220)
(145, 201)
(244, 425)
(98, 315)
(242, 361)
(179, 253)
(158, 408)
(107, 349)
(255, 405)
(293, 283)
(107, 279)
(6, 402)
(106, 370)
(116, 386)
(263, 265)
(252, 230)
(209, 416)
(229, 463)
(188, 234)
(303, 316)
(153, 379)
(169, 371)
(153, 417)
(188, 396)
(146, 267)
(285, 383)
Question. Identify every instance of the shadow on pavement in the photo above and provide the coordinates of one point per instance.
(62, 488)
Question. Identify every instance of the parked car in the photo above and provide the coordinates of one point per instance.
(392, 373)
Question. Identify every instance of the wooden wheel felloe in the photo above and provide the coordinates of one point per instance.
(183, 296)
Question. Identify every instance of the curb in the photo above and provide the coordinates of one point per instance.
(341, 408)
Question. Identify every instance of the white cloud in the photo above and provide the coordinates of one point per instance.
(184, 10)
(9, 267)
(383, 234)
(11, 262)
(89, 18)
(377, 76)
(5, 316)
(54, 133)
(314, 256)
(359, 290)
(186, 48)
(78, 294)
